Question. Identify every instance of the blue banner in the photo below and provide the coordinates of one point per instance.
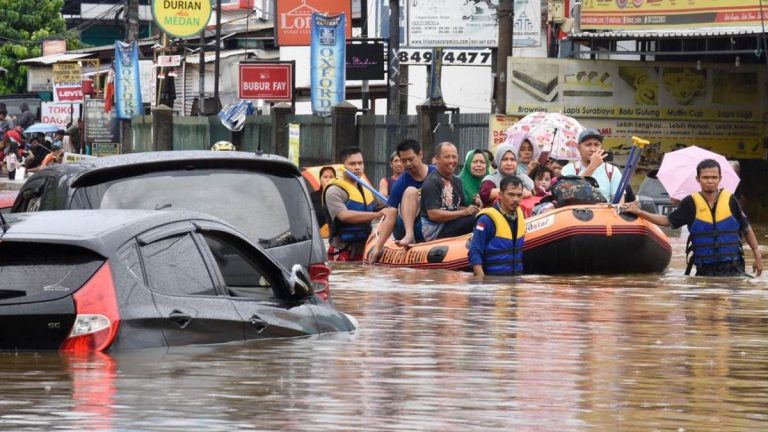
(327, 62)
(127, 85)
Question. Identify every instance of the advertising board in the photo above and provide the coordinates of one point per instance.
(674, 105)
(661, 14)
(470, 24)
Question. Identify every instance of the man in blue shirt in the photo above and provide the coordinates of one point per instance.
(591, 164)
(405, 196)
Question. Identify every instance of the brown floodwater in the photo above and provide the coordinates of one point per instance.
(440, 350)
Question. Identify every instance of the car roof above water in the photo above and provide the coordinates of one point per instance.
(85, 170)
(99, 230)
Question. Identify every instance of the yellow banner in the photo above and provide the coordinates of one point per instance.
(294, 139)
(721, 106)
(66, 72)
(659, 14)
(498, 125)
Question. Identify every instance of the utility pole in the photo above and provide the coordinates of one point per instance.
(364, 34)
(218, 51)
(132, 21)
(201, 76)
(393, 100)
(506, 14)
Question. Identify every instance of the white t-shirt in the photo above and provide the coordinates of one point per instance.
(609, 184)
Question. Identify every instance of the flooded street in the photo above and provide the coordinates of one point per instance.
(442, 351)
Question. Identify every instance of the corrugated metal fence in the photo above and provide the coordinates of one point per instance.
(376, 135)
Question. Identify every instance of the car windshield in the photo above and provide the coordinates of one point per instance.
(272, 210)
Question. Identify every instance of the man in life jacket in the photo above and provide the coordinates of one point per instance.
(715, 221)
(591, 164)
(350, 208)
(497, 241)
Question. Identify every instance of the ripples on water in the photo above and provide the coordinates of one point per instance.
(442, 351)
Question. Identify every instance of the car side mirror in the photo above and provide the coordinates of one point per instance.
(299, 282)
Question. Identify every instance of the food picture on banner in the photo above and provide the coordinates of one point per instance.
(643, 82)
(539, 81)
(684, 85)
(589, 83)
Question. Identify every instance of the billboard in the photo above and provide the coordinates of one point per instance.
(327, 62)
(267, 81)
(474, 23)
(719, 107)
(293, 19)
(660, 14)
(365, 61)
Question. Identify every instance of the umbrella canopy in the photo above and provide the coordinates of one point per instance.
(41, 128)
(555, 133)
(678, 171)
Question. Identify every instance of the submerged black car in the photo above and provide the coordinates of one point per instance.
(127, 279)
(264, 196)
(653, 198)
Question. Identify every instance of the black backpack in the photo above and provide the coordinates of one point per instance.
(576, 190)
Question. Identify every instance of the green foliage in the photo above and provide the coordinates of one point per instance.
(23, 26)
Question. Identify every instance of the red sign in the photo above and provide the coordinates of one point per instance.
(293, 19)
(69, 93)
(267, 81)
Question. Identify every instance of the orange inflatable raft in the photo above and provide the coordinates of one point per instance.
(587, 239)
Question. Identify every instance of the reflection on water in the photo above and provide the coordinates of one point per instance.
(443, 351)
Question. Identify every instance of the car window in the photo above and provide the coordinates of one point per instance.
(129, 254)
(174, 266)
(239, 266)
(271, 210)
(652, 187)
(31, 196)
(39, 271)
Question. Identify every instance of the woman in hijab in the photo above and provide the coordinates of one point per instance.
(475, 169)
(528, 152)
(506, 162)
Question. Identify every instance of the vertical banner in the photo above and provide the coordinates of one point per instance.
(294, 138)
(327, 60)
(127, 83)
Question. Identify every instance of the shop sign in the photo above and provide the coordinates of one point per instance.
(267, 81)
(181, 18)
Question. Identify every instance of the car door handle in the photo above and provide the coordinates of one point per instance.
(258, 323)
(180, 318)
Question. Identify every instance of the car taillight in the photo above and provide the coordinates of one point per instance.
(97, 317)
(319, 274)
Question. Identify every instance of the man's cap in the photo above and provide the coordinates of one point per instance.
(590, 133)
(60, 132)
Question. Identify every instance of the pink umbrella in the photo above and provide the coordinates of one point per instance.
(678, 171)
(556, 133)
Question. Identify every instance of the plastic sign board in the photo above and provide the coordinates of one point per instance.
(181, 18)
(267, 81)
(293, 19)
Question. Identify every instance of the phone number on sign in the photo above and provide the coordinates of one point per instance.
(461, 57)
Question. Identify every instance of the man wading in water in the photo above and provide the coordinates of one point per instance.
(715, 221)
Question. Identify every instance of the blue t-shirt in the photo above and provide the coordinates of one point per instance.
(403, 182)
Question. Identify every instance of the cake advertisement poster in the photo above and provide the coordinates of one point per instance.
(719, 107)
(669, 14)
(469, 23)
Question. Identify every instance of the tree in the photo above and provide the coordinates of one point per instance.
(23, 26)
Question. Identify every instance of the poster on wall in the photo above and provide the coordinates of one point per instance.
(664, 14)
(674, 105)
(471, 24)
(327, 60)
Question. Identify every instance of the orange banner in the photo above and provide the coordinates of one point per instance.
(293, 19)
